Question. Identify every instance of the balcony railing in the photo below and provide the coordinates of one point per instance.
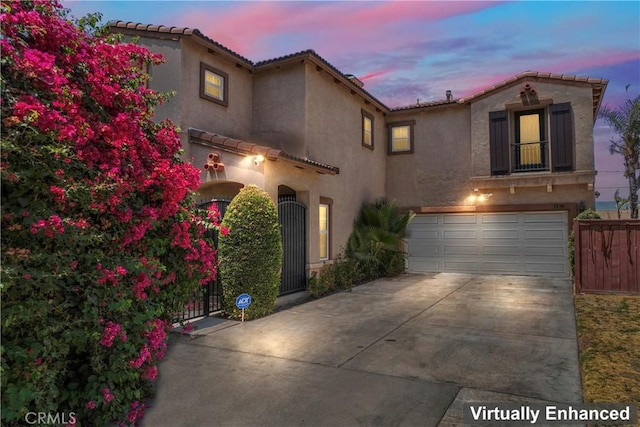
(530, 156)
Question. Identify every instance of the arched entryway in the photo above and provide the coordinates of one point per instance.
(208, 299)
(292, 215)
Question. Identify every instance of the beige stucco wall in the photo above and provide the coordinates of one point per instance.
(451, 154)
(233, 120)
(334, 136)
(165, 76)
(303, 111)
(437, 172)
(279, 109)
(567, 187)
(581, 99)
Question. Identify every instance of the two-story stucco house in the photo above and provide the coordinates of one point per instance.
(495, 178)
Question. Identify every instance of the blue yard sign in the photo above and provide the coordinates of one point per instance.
(243, 301)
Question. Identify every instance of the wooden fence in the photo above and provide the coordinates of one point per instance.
(607, 256)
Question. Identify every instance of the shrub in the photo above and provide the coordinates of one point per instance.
(315, 287)
(343, 273)
(587, 214)
(375, 241)
(99, 242)
(250, 253)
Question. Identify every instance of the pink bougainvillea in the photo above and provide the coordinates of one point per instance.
(101, 240)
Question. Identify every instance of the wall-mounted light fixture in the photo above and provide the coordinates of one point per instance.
(258, 159)
(478, 197)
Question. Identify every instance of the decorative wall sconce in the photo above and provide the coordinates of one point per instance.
(258, 159)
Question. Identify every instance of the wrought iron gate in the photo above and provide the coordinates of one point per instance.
(207, 299)
(293, 224)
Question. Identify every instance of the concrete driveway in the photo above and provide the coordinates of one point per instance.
(402, 351)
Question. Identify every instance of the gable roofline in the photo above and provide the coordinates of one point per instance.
(246, 148)
(598, 85)
(126, 27)
(133, 28)
(323, 65)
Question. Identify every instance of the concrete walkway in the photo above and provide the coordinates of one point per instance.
(402, 351)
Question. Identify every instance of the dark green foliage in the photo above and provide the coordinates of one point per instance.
(588, 214)
(251, 253)
(376, 239)
(342, 274)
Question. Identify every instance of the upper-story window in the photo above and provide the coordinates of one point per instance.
(214, 84)
(401, 137)
(532, 148)
(367, 129)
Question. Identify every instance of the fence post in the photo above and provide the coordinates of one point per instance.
(577, 257)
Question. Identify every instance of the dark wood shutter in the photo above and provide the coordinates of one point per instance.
(499, 142)
(561, 136)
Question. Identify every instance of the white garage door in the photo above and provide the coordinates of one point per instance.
(529, 243)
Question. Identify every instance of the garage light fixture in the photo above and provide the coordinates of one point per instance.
(258, 159)
(478, 197)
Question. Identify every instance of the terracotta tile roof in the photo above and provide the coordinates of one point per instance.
(181, 31)
(537, 75)
(598, 85)
(249, 148)
(309, 53)
(426, 104)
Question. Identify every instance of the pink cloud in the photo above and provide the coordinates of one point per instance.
(383, 13)
(337, 26)
(375, 74)
(470, 85)
(590, 60)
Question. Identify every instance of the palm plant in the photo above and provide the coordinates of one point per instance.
(621, 202)
(377, 234)
(625, 122)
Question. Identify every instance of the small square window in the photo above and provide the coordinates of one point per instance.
(367, 129)
(214, 84)
(401, 137)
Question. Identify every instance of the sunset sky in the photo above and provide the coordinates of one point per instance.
(409, 50)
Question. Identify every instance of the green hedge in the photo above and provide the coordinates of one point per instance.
(250, 253)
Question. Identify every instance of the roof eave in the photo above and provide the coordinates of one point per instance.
(245, 148)
(598, 86)
(322, 65)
